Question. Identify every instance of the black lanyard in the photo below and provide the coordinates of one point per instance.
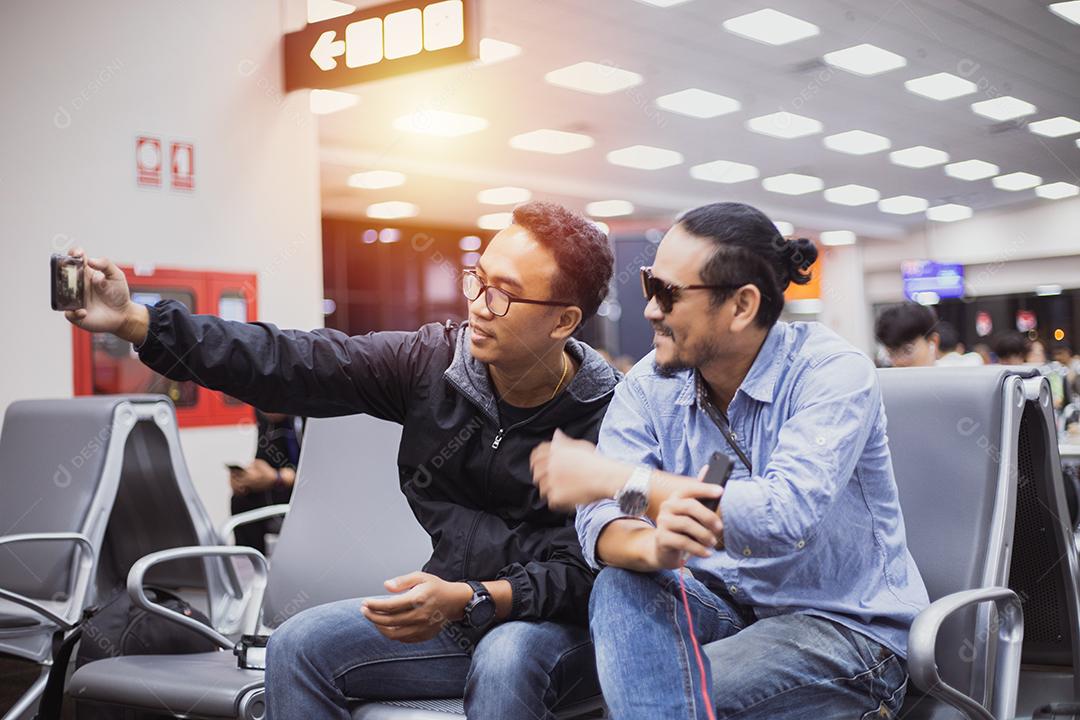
(721, 421)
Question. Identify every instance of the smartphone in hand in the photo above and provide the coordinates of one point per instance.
(67, 282)
(234, 468)
(719, 471)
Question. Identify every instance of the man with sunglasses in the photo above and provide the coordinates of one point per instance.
(499, 612)
(799, 587)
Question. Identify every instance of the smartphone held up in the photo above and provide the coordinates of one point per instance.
(67, 278)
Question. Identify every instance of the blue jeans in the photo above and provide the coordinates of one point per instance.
(789, 666)
(322, 657)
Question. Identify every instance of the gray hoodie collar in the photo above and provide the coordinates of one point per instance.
(594, 379)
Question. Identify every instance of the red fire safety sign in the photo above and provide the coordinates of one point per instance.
(148, 161)
(182, 156)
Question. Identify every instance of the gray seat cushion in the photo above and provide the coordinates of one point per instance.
(918, 706)
(207, 685)
(410, 710)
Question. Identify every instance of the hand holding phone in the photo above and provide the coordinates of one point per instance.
(234, 468)
(67, 283)
(719, 471)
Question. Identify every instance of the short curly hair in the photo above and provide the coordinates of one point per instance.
(581, 251)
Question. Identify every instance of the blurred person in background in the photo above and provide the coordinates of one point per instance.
(1011, 348)
(908, 333)
(951, 350)
(983, 351)
(269, 478)
(1036, 354)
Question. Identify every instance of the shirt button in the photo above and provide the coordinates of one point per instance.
(746, 551)
(732, 589)
(820, 440)
(801, 544)
(734, 436)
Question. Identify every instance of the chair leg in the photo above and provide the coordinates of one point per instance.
(25, 707)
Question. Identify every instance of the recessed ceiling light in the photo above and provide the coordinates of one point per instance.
(376, 179)
(852, 195)
(508, 195)
(495, 221)
(470, 259)
(470, 243)
(865, 60)
(1057, 190)
(593, 78)
(444, 25)
(1055, 126)
(785, 228)
(440, 123)
(784, 125)
(388, 236)
(555, 142)
(950, 212)
(698, 103)
(902, 204)
(392, 209)
(971, 170)
(324, 102)
(1067, 10)
(792, 184)
(857, 142)
(493, 51)
(919, 156)
(1003, 108)
(1016, 181)
(644, 157)
(663, 3)
(724, 171)
(837, 237)
(609, 208)
(771, 27)
(940, 86)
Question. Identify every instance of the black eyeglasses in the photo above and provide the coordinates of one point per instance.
(667, 294)
(498, 301)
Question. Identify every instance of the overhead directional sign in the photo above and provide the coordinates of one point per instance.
(377, 42)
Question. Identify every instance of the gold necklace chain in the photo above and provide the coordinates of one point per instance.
(565, 367)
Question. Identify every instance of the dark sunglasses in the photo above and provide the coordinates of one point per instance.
(667, 294)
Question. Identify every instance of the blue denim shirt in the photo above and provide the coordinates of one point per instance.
(817, 529)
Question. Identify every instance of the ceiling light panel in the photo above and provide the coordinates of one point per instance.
(771, 27)
(553, 142)
(595, 78)
(644, 157)
(919, 156)
(852, 195)
(698, 103)
(1003, 108)
(857, 142)
(865, 60)
(902, 205)
(940, 86)
(792, 184)
(784, 125)
(724, 171)
(971, 170)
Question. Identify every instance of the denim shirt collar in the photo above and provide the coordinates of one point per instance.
(760, 381)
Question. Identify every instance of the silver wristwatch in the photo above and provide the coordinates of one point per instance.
(633, 499)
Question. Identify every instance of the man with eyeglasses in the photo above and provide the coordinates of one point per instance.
(794, 597)
(499, 612)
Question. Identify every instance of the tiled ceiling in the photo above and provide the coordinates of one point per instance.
(1006, 47)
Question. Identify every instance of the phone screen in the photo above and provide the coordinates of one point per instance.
(719, 471)
(66, 279)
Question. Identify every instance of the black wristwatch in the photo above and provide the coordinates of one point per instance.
(480, 610)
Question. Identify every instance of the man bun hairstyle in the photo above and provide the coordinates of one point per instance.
(750, 251)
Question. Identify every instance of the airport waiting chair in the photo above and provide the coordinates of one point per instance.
(348, 529)
(955, 436)
(104, 474)
(1045, 569)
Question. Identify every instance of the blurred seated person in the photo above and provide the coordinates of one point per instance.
(951, 350)
(983, 350)
(1012, 348)
(1036, 354)
(269, 478)
(908, 332)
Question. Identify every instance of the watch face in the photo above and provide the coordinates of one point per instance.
(632, 503)
(481, 611)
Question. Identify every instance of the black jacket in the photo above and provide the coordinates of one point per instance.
(466, 478)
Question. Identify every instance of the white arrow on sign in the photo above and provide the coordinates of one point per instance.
(326, 49)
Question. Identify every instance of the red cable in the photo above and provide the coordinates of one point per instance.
(697, 648)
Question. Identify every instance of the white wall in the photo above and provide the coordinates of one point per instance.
(81, 81)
